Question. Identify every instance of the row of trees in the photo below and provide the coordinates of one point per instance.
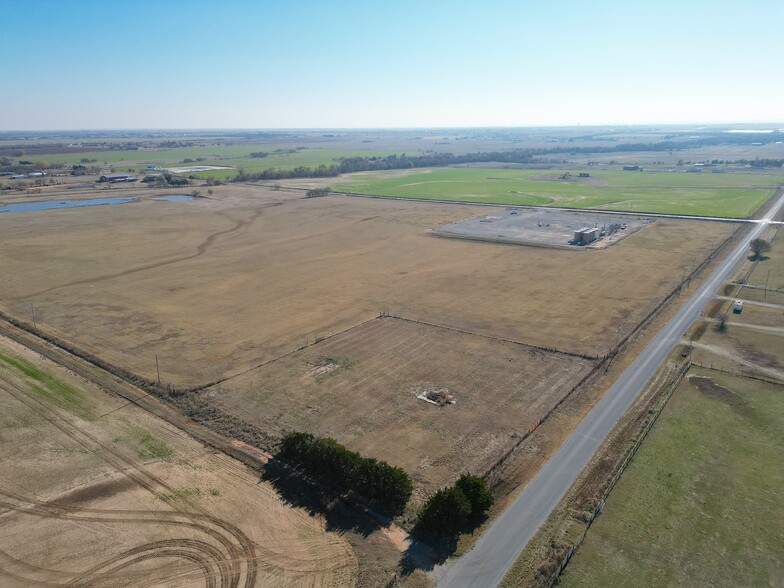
(346, 165)
(166, 179)
(454, 509)
(385, 486)
(760, 163)
(318, 192)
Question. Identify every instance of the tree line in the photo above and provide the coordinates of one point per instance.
(385, 486)
(347, 165)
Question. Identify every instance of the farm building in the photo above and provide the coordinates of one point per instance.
(116, 178)
(632, 168)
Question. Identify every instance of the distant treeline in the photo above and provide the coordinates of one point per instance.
(673, 145)
(332, 464)
(347, 165)
(760, 163)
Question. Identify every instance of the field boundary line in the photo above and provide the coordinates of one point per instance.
(316, 341)
(612, 211)
(153, 403)
(739, 373)
(126, 375)
(493, 337)
(621, 468)
(501, 460)
(686, 281)
(506, 241)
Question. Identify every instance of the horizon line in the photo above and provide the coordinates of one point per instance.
(399, 128)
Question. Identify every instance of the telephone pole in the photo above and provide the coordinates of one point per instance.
(158, 369)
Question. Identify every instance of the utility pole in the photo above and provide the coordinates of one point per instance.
(766, 285)
(158, 369)
(32, 309)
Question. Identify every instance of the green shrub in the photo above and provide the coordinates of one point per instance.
(451, 510)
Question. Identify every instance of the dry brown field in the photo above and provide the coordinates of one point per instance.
(361, 388)
(218, 285)
(96, 492)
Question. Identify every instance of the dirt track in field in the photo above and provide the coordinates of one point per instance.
(145, 528)
(201, 249)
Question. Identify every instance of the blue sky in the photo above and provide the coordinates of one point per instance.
(282, 64)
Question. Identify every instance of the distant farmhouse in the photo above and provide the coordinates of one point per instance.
(632, 168)
(117, 178)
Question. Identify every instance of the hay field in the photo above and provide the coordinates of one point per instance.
(361, 387)
(93, 491)
(700, 503)
(704, 194)
(219, 285)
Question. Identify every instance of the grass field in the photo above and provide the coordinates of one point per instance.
(706, 194)
(699, 504)
(220, 155)
(218, 285)
(361, 388)
(96, 491)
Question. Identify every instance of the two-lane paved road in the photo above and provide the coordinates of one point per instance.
(500, 545)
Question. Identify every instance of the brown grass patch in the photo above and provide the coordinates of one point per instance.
(219, 285)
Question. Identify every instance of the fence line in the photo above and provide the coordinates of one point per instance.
(620, 470)
(493, 337)
(316, 341)
(732, 372)
(677, 290)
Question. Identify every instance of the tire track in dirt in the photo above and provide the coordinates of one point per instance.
(201, 249)
(108, 579)
(7, 561)
(50, 510)
(203, 554)
(225, 534)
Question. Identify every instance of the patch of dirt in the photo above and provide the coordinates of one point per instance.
(711, 389)
(322, 370)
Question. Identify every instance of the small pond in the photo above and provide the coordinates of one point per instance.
(52, 204)
(55, 204)
(175, 198)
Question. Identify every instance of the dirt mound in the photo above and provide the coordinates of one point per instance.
(437, 396)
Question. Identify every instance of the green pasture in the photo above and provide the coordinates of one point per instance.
(700, 504)
(705, 194)
(221, 155)
(48, 386)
